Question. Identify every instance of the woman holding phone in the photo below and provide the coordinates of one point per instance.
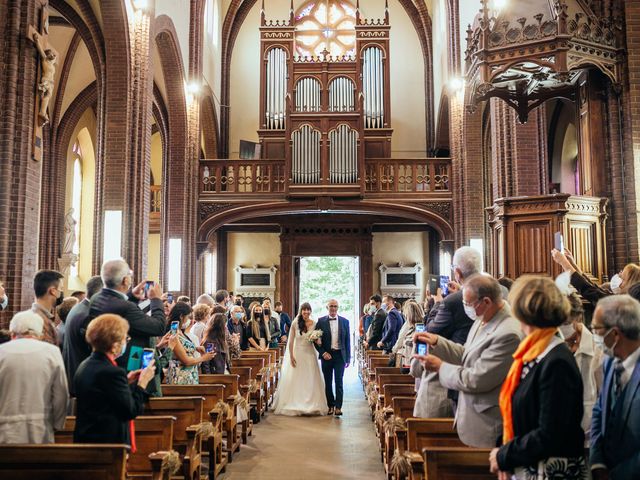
(183, 367)
(108, 399)
(215, 341)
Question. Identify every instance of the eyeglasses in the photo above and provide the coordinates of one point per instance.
(598, 327)
(332, 306)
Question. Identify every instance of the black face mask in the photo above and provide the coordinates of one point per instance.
(60, 299)
(239, 303)
(258, 316)
(267, 312)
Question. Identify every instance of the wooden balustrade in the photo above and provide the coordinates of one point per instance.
(427, 176)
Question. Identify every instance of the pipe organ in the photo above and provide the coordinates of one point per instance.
(324, 114)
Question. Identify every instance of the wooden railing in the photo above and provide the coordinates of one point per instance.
(382, 175)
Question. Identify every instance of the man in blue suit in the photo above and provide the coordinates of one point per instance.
(335, 354)
(615, 425)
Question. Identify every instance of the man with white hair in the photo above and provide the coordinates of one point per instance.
(33, 384)
(615, 423)
(120, 297)
(206, 299)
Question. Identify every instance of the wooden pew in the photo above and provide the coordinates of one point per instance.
(154, 438)
(259, 397)
(402, 410)
(269, 363)
(381, 381)
(212, 394)
(231, 395)
(385, 409)
(456, 463)
(64, 462)
(245, 376)
(423, 433)
(187, 435)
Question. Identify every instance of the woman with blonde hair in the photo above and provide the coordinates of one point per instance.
(258, 329)
(403, 348)
(108, 399)
(541, 397)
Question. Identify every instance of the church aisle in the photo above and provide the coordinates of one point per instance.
(312, 448)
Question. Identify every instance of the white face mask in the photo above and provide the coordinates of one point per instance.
(598, 340)
(384, 307)
(567, 330)
(124, 348)
(471, 313)
(616, 283)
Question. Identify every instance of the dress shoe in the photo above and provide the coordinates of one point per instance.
(338, 412)
(330, 412)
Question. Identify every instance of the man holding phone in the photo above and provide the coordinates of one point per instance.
(120, 297)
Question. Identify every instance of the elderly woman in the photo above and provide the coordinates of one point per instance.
(237, 327)
(403, 349)
(201, 316)
(107, 398)
(33, 384)
(541, 398)
(258, 329)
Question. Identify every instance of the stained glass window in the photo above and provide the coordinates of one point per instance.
(326, 25)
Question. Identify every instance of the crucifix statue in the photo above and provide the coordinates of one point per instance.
(46, 78)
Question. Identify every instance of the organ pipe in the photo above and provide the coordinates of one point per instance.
(373, 87)
(276, 88)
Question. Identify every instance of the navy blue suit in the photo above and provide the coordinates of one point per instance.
(333, 369)
(391, 330)
(615, 431)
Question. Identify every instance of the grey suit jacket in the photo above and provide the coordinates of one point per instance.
(477, 370)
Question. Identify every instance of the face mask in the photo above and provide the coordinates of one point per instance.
(599, 342)
(124, 349)
(229, 304)
(567, 330)
(616, 283)
(257, 315)
(239, 303)
(238, 315)
(372, 309)
(384, 307)
(471, 312)
(60, 299)
(266, 312)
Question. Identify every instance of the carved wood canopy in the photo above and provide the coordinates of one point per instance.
(529, 52)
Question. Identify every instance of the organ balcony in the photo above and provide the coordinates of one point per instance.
(427, 178)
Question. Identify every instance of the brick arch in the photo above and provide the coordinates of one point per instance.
(175, 220)
(50, 231)
(442, 128)
(248, 211)
(235, 17)
(209, 123)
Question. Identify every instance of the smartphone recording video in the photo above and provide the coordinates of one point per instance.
(147, 357)
(174, 327)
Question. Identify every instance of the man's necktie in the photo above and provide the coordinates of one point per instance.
(618, 369)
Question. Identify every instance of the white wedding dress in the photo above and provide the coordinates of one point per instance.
(301, 388)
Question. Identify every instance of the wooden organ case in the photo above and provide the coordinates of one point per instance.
(324, 114)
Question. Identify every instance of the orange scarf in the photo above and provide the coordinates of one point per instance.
(529, 349)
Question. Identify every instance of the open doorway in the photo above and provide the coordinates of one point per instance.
(320, 279)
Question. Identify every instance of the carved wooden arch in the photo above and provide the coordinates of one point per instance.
(235, 17)
(223, 214)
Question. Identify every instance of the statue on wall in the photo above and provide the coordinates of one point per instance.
(69, 232)
(48, 62)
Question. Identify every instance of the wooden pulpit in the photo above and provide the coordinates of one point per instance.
(523, 234)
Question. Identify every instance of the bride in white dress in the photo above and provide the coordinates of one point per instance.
(301, 389)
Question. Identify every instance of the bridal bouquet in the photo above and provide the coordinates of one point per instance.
(313, 335)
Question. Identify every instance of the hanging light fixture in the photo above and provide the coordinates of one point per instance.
(528, 52)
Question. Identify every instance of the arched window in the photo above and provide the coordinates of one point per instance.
(326, 25)
(76, 201)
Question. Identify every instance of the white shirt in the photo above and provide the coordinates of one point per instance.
(33, 391)
(335, 341)
(629, 365)
(198, 330)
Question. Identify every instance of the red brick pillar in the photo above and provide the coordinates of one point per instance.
(21, 176)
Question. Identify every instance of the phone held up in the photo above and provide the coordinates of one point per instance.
(170, 297)
(174, 327)
(209, 347)
(421, 347)
(147, 357)
(558, 241)
(147, 285)
(444, 285)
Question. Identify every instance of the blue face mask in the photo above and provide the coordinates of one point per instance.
(238, 315)
(384, 307)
